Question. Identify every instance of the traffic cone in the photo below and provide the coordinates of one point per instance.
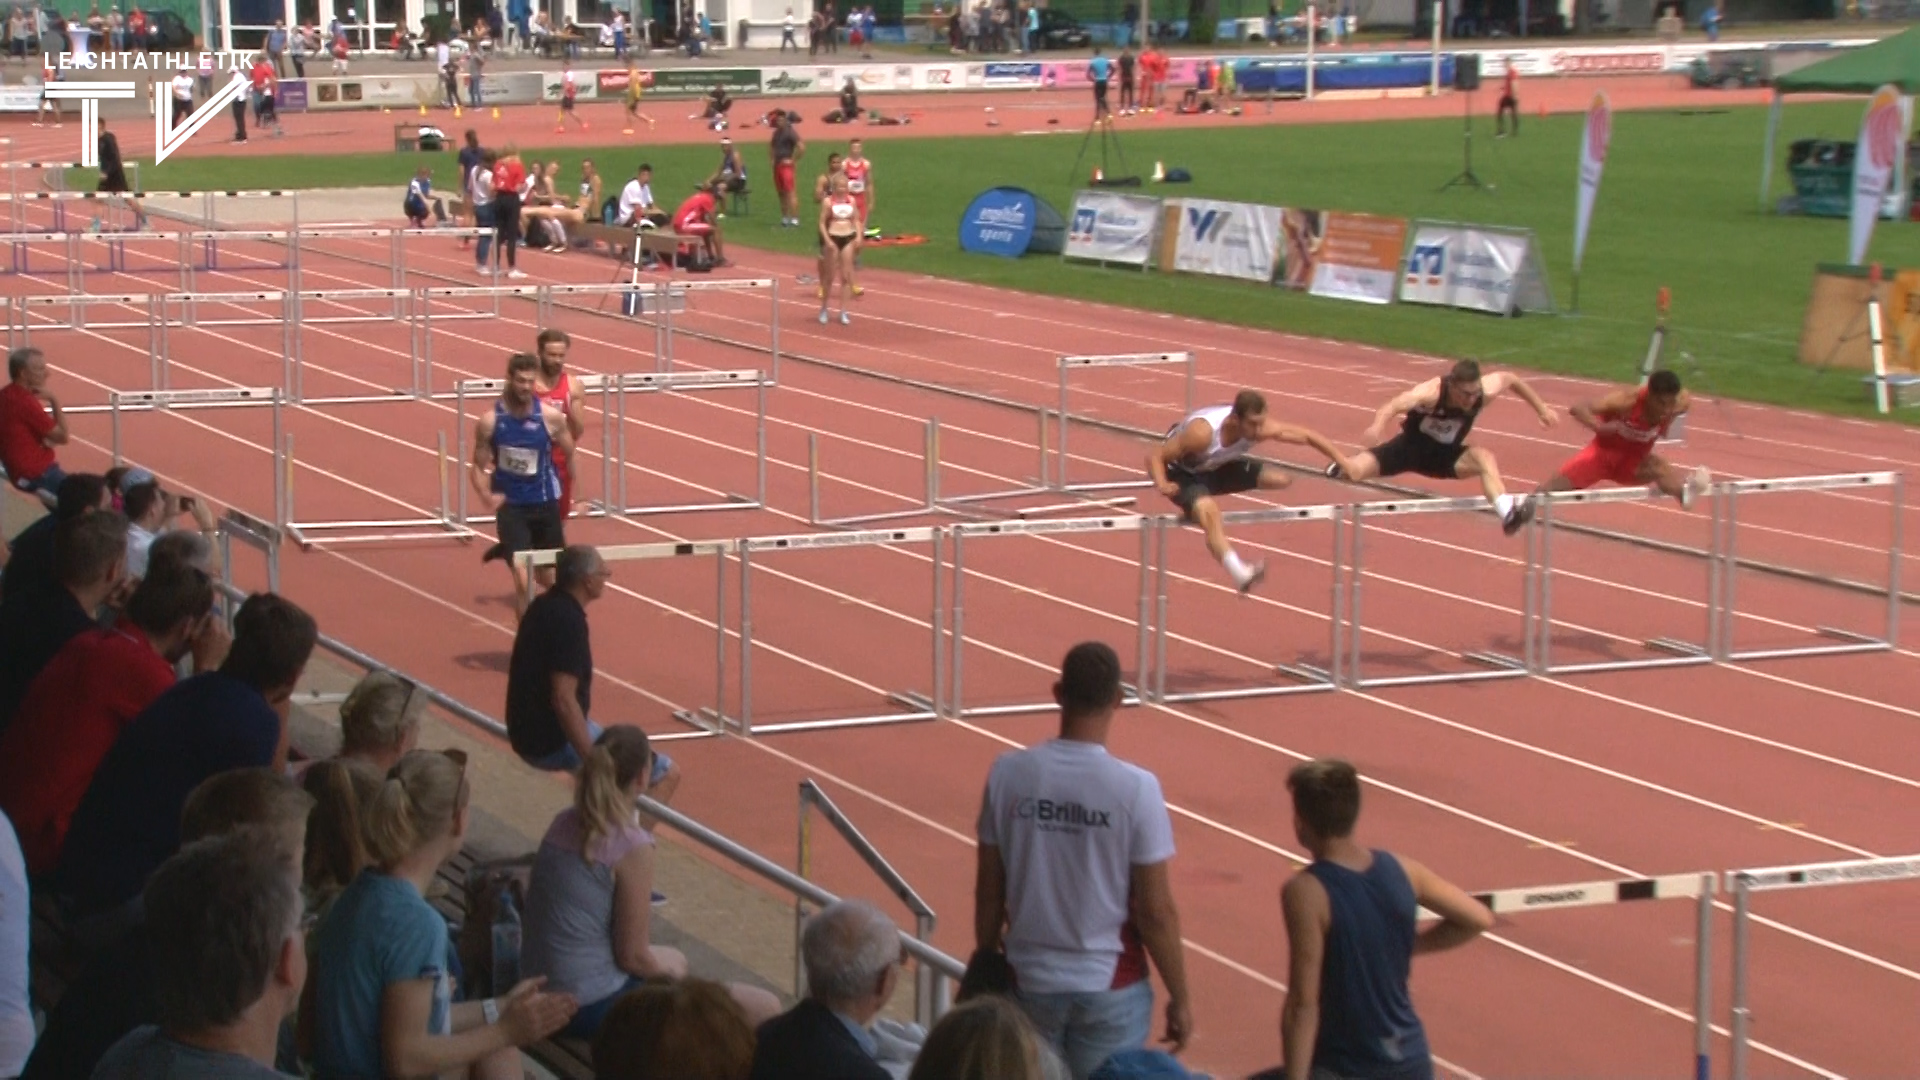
(992, 120)
(423, 110)
(1159, 172)
(457, 113)
(384, 110)
(496, 112)
(1099, 174)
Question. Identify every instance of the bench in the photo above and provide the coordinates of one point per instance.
(617, 238)
(406, 139)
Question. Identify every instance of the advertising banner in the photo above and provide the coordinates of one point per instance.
(584, 88)
(699, 82)
(1357, 257)
(399, 91)
(1593, 158)
(1876, 157)
(999, 221)
(1475, 267)
(1010, 74)
(1112, 228)
(1237, 240)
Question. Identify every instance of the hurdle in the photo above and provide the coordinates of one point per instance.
(403, 311)
(1745, 883)
(706, 720)
(319, 534)
(1055, 473)
(20, 320)
(249, 531)
(913, 706)
(21, 262)
(62, 199)
(1132, 693)
(1699, 886)
(124, 401)
(1539, 585)
(666, 290)
(635, 300)
(1499, 665)
(613, 410)
(1306, 678)
(424, 315)
(1729, 563)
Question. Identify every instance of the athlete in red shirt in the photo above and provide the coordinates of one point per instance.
(1625, 426)
(31, 425)
(859, 180)
(695, 218)
(1509, 104)
(556, 386)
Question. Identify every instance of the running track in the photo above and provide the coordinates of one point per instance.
(1514, 784)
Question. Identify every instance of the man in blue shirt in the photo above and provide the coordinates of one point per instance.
(1100, 69)
(128, 822)
(513, 471)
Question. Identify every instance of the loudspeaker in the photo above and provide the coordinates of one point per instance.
(1466, 71)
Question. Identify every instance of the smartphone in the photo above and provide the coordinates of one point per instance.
(186, 504)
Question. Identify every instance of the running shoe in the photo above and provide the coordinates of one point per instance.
(1333, 471)
(1697, 484)
(823, 316)
(1518, 517)
(659, 899)
(1258, 574)
(497, 551)
(846, 319)
(517, 275)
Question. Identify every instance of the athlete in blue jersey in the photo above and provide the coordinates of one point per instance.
(513, 470)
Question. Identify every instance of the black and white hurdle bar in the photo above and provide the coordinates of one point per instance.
(60, 200)
(1744, 883)
(707, 720)
(126, 401)
(1700, 887)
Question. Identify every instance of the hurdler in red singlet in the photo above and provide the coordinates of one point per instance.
(556, 385)
(1625, 426)
(859, 180)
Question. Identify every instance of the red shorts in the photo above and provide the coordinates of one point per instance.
(1596, 463)
(694, 228)
(562, 466)
(783, 178)
(860, 207)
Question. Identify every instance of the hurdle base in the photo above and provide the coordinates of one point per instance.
(864, 521)
(733, 502)
(1495, 660)
(1306, 673)
(1129, 695)
(1677, 647)
(919, 709)
(711, 721)
(310, 535)
(1849, 635)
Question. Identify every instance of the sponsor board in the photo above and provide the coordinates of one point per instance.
(1238, 240)
(699, 82)
(552, 87)
(1358, 257)
(1110, 227)
(792, 81)
(1011, 74)
(1474, 267)
(999, 221)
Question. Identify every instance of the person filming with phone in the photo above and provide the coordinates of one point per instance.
(149, 509)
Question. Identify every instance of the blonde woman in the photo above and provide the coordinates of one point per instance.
(840, 241)
(380, 720)
(588, 904)
(988, 1038)
(380, 990)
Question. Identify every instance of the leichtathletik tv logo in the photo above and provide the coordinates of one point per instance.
(159, 68)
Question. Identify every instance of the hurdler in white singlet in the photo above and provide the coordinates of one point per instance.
(1215, 454)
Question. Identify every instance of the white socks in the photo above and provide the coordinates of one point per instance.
(1236, 569)
(1504, 505)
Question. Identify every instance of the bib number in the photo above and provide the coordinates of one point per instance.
(1440, 430)
(856, 186)
(519, 461)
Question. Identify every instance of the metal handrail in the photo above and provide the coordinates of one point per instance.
(930, 996)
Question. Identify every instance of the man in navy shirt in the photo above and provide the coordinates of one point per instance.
(128, 823)
(31, 564)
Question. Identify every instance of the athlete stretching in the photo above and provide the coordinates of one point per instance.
(1433, 437)
(1625, 426)
(1205, 456)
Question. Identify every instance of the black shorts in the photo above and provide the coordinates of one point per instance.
(1230, 479)
(529, 527)
(841, 242)
(1100, 90)
(1418, 454)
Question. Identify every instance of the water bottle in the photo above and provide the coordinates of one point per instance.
(506, 944)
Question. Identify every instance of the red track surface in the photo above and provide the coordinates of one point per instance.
(1520, 783)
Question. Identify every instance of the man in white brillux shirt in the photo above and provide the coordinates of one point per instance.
(1205, 455)
(1072, 879)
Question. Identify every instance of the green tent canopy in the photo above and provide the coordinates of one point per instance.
(1894, 60)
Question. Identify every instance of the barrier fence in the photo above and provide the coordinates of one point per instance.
(1327, 654)
(1744, 883)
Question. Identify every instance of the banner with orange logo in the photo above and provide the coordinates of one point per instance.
(1876, 158)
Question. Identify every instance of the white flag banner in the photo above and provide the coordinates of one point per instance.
(1882, 143)
(1593, 159)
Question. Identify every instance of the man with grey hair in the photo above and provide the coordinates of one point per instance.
(228, 960)
(852, 956)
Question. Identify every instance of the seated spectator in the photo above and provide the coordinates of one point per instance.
(232, 718)
(31, 564)
(114, 993)
(343, 791)
(227, 960)
(852, 955)
(697, 217)
(550, 675)
(89, 564)
(16, 918)
(587, 917)
(149, 508)
(690, 1029)
(31, 425)
(637, 208)
(380, 1001)
(733, 169)
(89, 693)
(988, 1038)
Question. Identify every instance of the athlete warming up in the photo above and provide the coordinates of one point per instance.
(1205, 456)
(1433, 437)
(1625, 426)
(513, 472)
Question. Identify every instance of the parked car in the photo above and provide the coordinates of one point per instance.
(1060, 30)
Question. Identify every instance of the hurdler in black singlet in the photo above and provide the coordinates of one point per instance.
(1441, 422)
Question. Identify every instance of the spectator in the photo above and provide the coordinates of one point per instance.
(232, 718)
(1072, 878)
(550, 675)
(31, 425)
(114, 993)
(852, 955)
(89, 693)
(380, 720)
(227, 961)
(690, 1029)
(587, 920)
(1351, 938)
(31, 564)
(89, 563)
(381, 993)
(637, 208)
(988, 1038)
(16, 918)
(149, 508)
(343, 791)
